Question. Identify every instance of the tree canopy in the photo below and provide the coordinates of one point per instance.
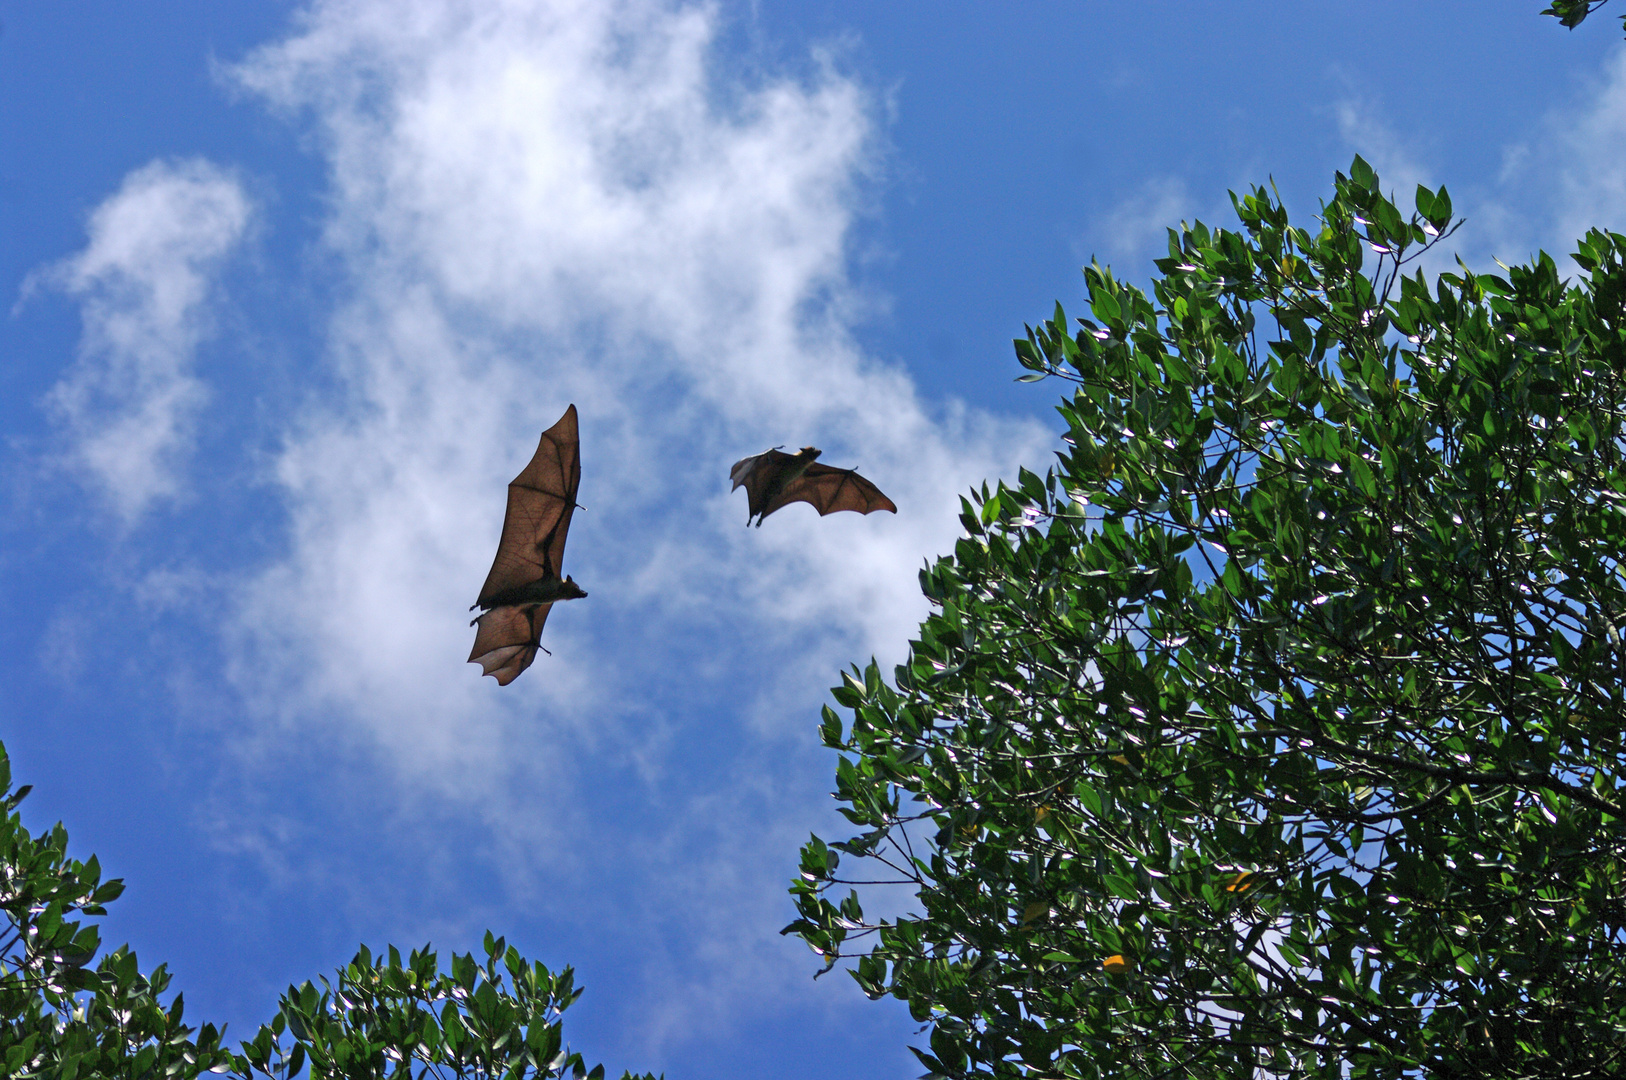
(379, 1016)
(1276, 730)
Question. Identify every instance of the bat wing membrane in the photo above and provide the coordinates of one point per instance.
(830, 489)
(541, 500)
(507, 640)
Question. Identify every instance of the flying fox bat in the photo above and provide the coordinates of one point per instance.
(773, 479)
(524, 582)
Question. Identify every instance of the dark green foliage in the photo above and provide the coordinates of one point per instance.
(382, 1017)
(58, 1015)
(386, 1017)
(1277, 731)
(1573, 13)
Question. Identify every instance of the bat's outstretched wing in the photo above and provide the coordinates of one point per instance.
(541, 500)
(526, 576)
(508, 639)
(831, 489)
(756, 475)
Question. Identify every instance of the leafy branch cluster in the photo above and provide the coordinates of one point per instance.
(1277, 730)
(1573, 13)
(58, 1015)
(380, 1017)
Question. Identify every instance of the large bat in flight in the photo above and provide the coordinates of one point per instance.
(774, 478)
(524, 582)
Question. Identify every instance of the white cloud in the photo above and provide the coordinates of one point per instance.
(1396, 160)
(1555, 181)
(1136, 229)
(144, 282)
(1386, 151)
(1590, 159)
(563, 202)
(550, 203)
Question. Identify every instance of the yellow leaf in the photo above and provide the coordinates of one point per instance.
(1120, 759)
(1040, 814)
(1241, 883)
(1034, 912)
(1115, 964)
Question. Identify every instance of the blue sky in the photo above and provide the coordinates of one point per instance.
(292, 288)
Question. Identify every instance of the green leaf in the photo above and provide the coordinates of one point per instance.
(1563, 653)
(1121, 887)
(1360, 474)
(1425, 203)
(1361, 173)
(1027, 354)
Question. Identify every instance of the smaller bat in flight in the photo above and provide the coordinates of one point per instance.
(773, 479)
(524, 582)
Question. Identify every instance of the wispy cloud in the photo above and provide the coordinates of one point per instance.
(1137, 226)
(1363, 129)
(545, 204)
(1590, 158)
(144, 281)
(1401, 167)
(1556, 180)
(549, 203)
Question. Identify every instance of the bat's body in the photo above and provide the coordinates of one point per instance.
(525, 579)
(773, 479)
(545, 591)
